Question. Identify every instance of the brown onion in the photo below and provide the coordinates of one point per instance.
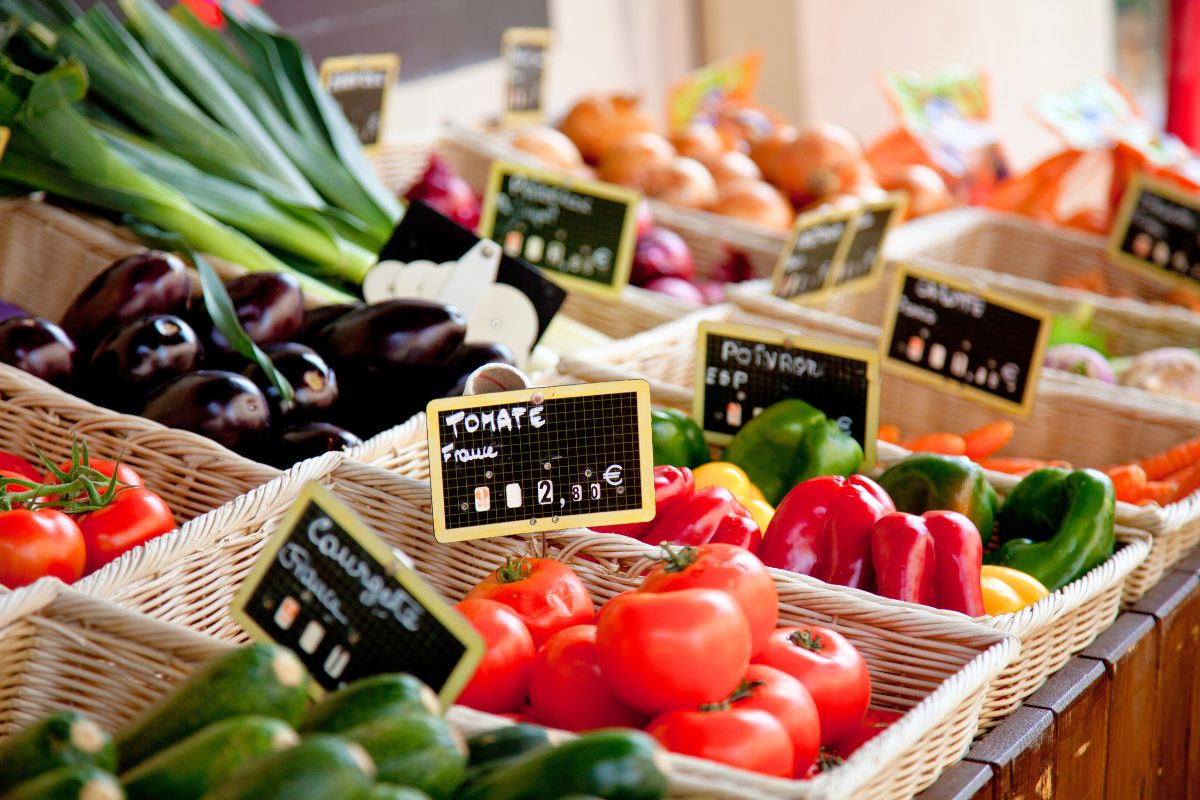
(550, 146)
(596, 123)
(631, 161)
(765, 152)
(683, 182)
(698, 140)
(755, 201)
(732, 167)
(927, 192)
(824, 159)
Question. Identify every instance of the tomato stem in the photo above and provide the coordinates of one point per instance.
(744, 690)
(514, 570)
(64, 495)
(677, 559)
(827, 760)
(807, 639)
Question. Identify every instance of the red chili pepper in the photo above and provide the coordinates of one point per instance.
(671, 484)
(823, 528)
(933, 559)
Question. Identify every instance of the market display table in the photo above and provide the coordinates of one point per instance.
(1121, 720)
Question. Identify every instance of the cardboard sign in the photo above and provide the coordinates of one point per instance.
(581, 233)
(864, 257)
(541, 459)
(814, 252)
(1158, 231)
(965, 339)
(432, 257)
(361, 85)
(329, 589)
(741, 370)
(524, 52)
(704, 93)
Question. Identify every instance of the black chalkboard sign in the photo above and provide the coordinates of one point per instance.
(741, 370)
(523, 51)
(327, 588)
(541, 459)
(966, 339)
(864, 256)
(580, 232)
(813, 253)
(1158, 231)
(361, 85)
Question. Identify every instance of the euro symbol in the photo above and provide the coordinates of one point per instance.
(612, 475)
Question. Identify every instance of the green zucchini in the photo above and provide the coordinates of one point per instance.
(421, 751)
(261, 679)
(390, 791)
(617, 764)
(201, 762)
(507, 742)
(321, 767)
(391, 694)
(63, 739)
(69, 783)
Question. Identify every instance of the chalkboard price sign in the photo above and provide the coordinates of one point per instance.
(741, 370)
(580, 232)
(361, 85)
(329, 589)
(965, 339)
(813, 254)
(541, 459)
(524, 52)
(1158, 231)
(864, 256)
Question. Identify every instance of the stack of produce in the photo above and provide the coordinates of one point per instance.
(694, 656)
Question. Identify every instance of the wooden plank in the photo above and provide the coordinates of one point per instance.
(1129, 651)
(1077, 695)
(1175, 604)
(1020, 751)
(1190, 562)
(966, 780)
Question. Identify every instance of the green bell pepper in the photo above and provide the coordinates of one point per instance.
(787, 444)
(1056, 525)
(930, 482)
(678, 439)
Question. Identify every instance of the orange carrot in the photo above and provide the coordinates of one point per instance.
(1014, 465)
(1159, 492)
(985, 441)
(889, 433)
(946, 444)
(1173, 459)
(1188, 479)
(1127, 480)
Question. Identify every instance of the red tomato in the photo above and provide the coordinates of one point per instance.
(134, 517)
(746, 738)
(673, 650)
(786, 699)
(502, 679)
(35, 544)
(567, 689)
(729, 568)
(18, 465)
(125, 473)
(546, 594)
(834, 673)
(15, 487)
(874, 723)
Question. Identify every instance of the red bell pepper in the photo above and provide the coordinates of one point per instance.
(671, 484)
(933, 559)
(712, 514)
(823, 528)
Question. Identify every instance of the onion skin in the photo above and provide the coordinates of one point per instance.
(550, 146)
(699, 140)
(824, 159)
(757, 202)
(732, 167)
(634, 159)
(684, 182)
(765, 152)
(927, 192)
(598, 122)
(1079, 359)
(661, 254)
(679, 289)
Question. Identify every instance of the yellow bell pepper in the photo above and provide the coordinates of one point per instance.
(731, 476)
(1006, 590)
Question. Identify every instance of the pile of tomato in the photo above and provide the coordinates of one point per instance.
(68, 520)
(694, 656)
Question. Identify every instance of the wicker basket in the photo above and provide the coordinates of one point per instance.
(935, 665)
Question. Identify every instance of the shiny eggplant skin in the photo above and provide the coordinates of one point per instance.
(224, 406)
(39, 347)
(315, 319)
(471, 357)
(308, 440)
(390, 360)
(139, 357)
(270, 306)
(315, 387)
(152, 282)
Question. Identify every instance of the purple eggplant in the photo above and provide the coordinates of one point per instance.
(313, 383)
(270, 306)
(471, 357)
(308, 440)
(315, 319)
(147, 283)
(39, 347)
(224, 406)
(139, 357)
